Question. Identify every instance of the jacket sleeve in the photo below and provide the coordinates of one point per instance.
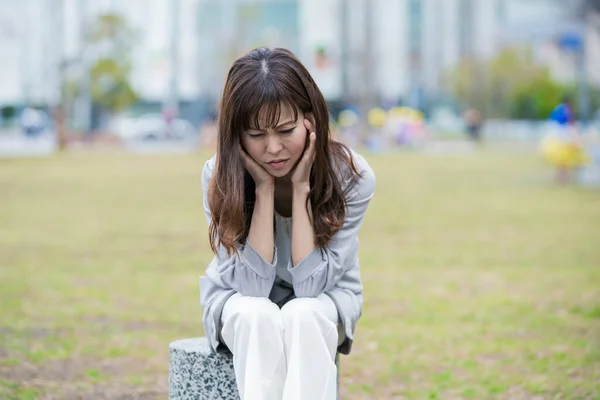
(246, 272)
(322, 268)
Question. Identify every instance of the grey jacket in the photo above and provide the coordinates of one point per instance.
(333, 270)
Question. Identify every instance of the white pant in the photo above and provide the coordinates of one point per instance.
(282, 354)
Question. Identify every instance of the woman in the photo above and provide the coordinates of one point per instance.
(284, 204)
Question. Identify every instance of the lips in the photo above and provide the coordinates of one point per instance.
(277, 161)
(277, 164)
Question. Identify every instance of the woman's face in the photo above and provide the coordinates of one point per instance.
(277, 149)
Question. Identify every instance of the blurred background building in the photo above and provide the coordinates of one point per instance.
(364, 53)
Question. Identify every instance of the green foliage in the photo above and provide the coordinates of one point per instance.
(536, 98)
(8, 112)
(109, 75)
(110, 85)
(510, 85)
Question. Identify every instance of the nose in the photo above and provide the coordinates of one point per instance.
(274, 145)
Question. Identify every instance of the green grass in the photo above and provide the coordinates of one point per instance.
(481, 278)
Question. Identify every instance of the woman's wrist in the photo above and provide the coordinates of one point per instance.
(265, 189)
(301, 189)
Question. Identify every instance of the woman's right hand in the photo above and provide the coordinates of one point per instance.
(262, 179)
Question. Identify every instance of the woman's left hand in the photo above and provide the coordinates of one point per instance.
(301, 174)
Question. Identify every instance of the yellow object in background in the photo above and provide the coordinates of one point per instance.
(377, 117)
(563, 153)
(348, 118)
(406, 113)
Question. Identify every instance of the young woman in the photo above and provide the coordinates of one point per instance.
(284, 203)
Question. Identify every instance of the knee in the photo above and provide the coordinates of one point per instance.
(301, 311)
(308, 318)
(257, 311)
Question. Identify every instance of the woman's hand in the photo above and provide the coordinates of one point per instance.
(262, 179)
(301, 174)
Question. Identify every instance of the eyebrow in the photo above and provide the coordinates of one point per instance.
(285, 123)
(278, 126)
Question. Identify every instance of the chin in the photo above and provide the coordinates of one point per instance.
(280, 174)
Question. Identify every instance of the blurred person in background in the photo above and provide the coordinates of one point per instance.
(563, 147)
(169, 115)
(284, 202)
(473, 123)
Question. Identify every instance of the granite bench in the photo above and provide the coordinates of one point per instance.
(198, 373)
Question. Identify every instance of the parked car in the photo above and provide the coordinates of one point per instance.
(152, 127)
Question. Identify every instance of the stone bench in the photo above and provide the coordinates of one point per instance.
(198, 373)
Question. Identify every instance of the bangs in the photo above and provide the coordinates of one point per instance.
(262, 108)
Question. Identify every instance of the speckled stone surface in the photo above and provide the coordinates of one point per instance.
(198, 373)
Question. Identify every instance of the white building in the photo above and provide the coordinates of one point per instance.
(25, 40)
(401, 54)
(405, 50)
(36, 34)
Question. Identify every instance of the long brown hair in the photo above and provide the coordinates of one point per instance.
(258, 84)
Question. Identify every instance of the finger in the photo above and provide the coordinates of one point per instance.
(242, 154)
(245, 158)
(310, 152)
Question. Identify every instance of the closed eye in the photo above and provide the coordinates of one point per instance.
(255, 135)
(288, 131)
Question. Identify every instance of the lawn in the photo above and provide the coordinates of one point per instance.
(481, 278)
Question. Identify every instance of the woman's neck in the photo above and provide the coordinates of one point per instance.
(283, 181)
(283, 196)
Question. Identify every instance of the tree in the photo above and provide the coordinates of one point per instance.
(510, 85)
(488, 85)
(580, 8)
(591, 5)
(535, 98)
(112, 39)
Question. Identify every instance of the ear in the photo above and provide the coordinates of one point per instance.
(311, 117)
